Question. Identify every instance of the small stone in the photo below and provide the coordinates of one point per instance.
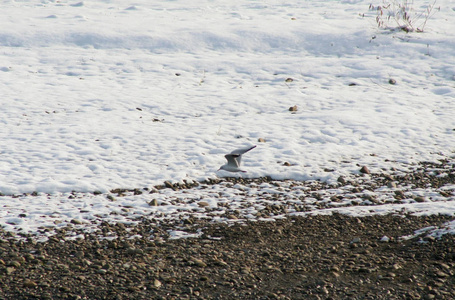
(341, 180)
(261, 140)
(399, 194)
(168, 184)
(392, 81)
(15, 264)
(355, 240)
(154, 202)
(293, 108)
(133, 289)
(76, 222)
(388, 176)
(364, 170)
(441, 274)
(157, 284)
(133, 251)
(445, 266)
(289, 79)
(335, 274)
(444, 194)
(29, 284)
(10, 270)
(198, 262)
(385, 239)
(286, 164)
(419, 199)
(203, 204)
(391, 185)
(221, 263)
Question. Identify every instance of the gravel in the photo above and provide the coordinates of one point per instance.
(313, 257)
(299, 257)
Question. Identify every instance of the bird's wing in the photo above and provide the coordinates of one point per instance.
(242, 150)
(233, 159)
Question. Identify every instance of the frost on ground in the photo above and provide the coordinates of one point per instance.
(107, 95)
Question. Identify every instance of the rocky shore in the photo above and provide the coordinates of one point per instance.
(301, 256)
(313, 257)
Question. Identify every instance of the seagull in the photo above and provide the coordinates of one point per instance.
(234, 158)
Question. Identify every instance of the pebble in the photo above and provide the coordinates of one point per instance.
(14, 263)
(399, 194)
(203, 204)
(355, 240)
(364, 170)
(385, 239)
(419, 199)
(441, 274)
(29, 283)
(198, 262)
(293, 108)
(157, 284)
(76, 222)
(341, 180)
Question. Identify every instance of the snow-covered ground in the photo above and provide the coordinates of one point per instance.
(98, 95)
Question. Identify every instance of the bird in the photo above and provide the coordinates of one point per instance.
(234, 159)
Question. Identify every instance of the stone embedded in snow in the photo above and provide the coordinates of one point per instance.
(399, 195)
(341, 180)
(419, 199)
(293, 108)
(364, 170)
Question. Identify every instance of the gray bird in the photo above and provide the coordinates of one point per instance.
(234, 159)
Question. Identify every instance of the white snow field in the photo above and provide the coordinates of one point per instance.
(99, 95)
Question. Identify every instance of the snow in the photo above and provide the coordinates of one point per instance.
(98, 95)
